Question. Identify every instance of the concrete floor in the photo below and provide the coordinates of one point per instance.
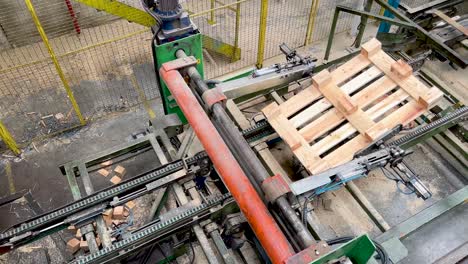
(438, 238)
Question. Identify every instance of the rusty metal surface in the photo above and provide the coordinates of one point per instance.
(214, 96)
(309, 254)
(275, 187)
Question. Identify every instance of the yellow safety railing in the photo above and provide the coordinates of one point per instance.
(311, 22)
(64, 80)
(8, 139)
(262, 33)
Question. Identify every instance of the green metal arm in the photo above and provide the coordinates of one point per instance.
(426, 36)
(345, 9)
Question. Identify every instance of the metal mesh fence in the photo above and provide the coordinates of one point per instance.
(107, 63)
(107, 60)
(235, 25)
(287, 22)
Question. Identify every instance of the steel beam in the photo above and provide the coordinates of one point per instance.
(363, 24)
(437, 44)
(410, 225)
(452, 22)
(242, 88)
(364, 14)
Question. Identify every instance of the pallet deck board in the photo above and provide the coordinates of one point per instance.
(343, 111)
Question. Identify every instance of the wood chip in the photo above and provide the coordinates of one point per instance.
(115, 179)
(120, 170)
(73, 245)
(106, 163)
(108, 212)
(78, 233)
(107, 219)
(59, 116)
(103, 172)
(84, 245)
(130, 204)
(118, 213)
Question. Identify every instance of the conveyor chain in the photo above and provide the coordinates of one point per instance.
(259, 130)
(460, 112)
(60, 215)
(151, 231)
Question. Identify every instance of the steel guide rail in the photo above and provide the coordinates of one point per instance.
(460, 112)
(153, 230)
(109, 193)
(258, 131)
(105, 195)
(261, 129)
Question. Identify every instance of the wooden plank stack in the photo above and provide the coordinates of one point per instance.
(345, 110)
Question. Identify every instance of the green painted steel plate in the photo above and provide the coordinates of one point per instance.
(359, 250)
(192, 46)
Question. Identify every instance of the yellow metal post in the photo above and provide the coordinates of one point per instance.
(311, 23)
(236, 55)
(54, 59)
(382, 11)
(212, 20)
(122, 10)
(262, 33)
(8, 139)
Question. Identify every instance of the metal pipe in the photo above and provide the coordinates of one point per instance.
(331, 35)
(76, 25)
(247, 156)
(311, 23)
(212, 21)
(262, 33)
(263, 225)
(235, 54)
(259, 172)
(205, 245)
(362, 25)
(100, 223)
(245, 167)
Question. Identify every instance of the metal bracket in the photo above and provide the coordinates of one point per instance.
(309, 254)
(170, 123)
(275, 187)
(213, 96)
(180, 63)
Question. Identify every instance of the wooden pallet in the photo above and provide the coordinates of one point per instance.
(345, 110)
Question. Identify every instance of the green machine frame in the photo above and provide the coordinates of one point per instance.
(192, 46)
(359, 251)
